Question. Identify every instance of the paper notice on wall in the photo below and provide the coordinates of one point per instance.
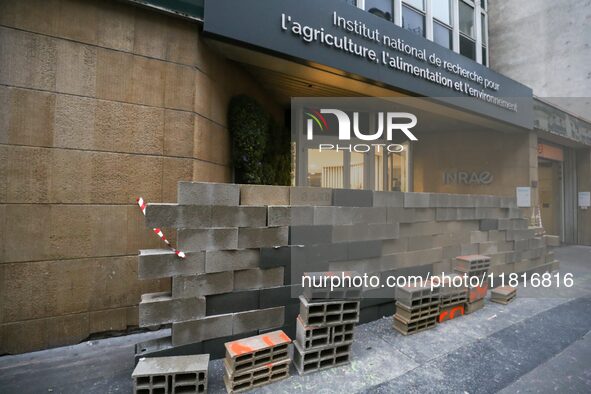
(523, 197)
(585, 199)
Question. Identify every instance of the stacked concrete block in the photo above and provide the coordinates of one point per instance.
(246, 245)
(208, 194)
(471, 307)
(210, 327)
(324, 333)
(327, 313)
(453, 293)
(417, 308)
(472, 265)
(256, 361)
(321, 287)
(163, 263)
(171, 375)
(476, 268)
(161, 308)
(552, 240)
(503, 295)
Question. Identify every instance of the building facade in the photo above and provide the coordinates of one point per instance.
(558, 34)
(107, 101)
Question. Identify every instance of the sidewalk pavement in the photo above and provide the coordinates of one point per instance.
(538, 343)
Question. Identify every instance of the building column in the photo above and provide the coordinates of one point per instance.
(533, 172)
(584, 185)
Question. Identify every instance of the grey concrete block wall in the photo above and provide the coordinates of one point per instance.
(202, 285)
(248, 245)
(161, 308)
(207, 239)
(200, 193)
(163, 263)
(230, 260)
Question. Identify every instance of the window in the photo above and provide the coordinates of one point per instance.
(418, 4)
(442, 11)
(442, 35)
(398, 170)
(442, 31)
(484, 29)
(484, 56)
(483, 4)
(413, 20)
(325, 169)
(379, 170)
(467, 47)
(467, 30)
(357, 170)
(466, 19)
(381, 8)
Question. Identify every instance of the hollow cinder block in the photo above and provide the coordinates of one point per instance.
(552, 240)
(503, 295)
(175, 374)
(450, 312)
(201, 285)
(334, 215)
(329, 313)
(471, 263)
(388, 199)
(202, 193)
(238, 216)
(258, 319)
(320, 359)
(520, 235)
(310, 235)
(472, 307)
(352, 198)
(369, 215)
(280, 256)
(310, 196)
(237, 301)
(163, 263)
(246, 380)
(199, 330)
(318, 337)
(262, 195)
(289, 216)
(416, 295)
(252, 352)
(318, 286)
(162, 347)
(231, 260)
(160, 308)
(408, 328)
(417, 313)
(257, 278)
(489, 224)
(262, 237)
(417, 200)
(207, 239)
(178, 216)
(280, 295)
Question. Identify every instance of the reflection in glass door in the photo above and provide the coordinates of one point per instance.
(357, 173)
(379, 170)
(398, 170)
(325, 169)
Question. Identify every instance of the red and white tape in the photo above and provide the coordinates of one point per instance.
(142, 204)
